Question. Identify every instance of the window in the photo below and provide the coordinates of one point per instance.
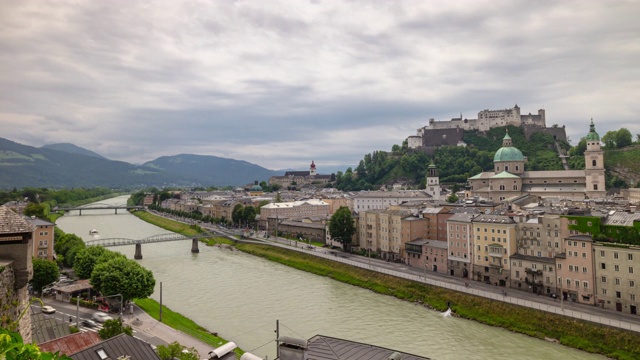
(593, 163)
(577, 284)
(559, 266)
(618, 294)
(584, 270)
(617, 281)
(568, 282)
(604, 291)
(603, 279)
(616, 268)
(615, 255)
(630, 257)
(603, 266)
(602, 253)
(632, 283)
(585, 284)
(570, 267)
(630, 269)
(584, 255)
(632, 297)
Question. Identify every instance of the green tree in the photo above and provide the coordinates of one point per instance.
(114, 327)
(237, 215)
(86, 259)
(44, 273)
(623, 138)
(12, 347)
(452, 198)
(579, 149)
(123, 276)
(249, 214)
(175, 351)
(68, 245)
(341, 226)
(609, 139)
(33, 209)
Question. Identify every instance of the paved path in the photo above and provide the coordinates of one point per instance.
(152, 327)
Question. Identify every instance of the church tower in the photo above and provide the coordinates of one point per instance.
(433, 182)
(594, 165)
(312, 169)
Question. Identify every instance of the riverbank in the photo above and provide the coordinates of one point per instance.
(578, 334)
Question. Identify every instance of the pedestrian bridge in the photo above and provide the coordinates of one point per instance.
(98, 206)
(109, 242)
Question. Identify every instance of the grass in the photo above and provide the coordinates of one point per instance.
(612, 342)
(182, 323)
(167, 224)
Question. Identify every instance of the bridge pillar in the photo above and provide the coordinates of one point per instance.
(138, 255)
(116, 211)
(194, 246)
(80, 212)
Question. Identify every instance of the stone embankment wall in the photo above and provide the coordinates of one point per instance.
(13, 302)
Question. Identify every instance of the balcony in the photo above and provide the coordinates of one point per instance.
(535, 272)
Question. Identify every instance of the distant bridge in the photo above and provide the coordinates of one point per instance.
(100, 206)
(109, 242)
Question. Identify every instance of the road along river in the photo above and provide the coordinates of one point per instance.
(241, 297)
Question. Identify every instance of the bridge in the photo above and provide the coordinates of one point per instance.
(99, 206)
(109, 242)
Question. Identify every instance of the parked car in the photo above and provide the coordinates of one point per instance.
(101, 317)
(48, 309)
(89, 323)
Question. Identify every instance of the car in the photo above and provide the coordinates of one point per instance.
(89, 323)
(48, 309)
(101, 317)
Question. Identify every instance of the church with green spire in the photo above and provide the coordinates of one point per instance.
(509, 178)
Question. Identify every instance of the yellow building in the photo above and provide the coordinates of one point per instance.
(494, 241)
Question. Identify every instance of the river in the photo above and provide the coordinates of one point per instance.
(241, 297)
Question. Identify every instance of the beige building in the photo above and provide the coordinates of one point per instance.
(301, 178)
(371, 200)
(575, 270)
(539, 240)
(509, 178)
(385, 232)
(42, 238)
(617, 277)
(494, 243)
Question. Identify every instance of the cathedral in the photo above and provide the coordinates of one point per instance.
(509, 178)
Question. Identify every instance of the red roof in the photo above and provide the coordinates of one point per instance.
(71, 344)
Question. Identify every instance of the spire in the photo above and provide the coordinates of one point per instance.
(593, 135)
(506, 141)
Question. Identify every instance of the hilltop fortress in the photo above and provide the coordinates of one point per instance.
(451, 132)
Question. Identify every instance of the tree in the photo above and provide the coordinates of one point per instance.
(623, 138)
(452, 198)
(123, 276)
(87, 258)
(249, 214)
(33, 209)
(114, 327)
(176, 351)
(13, 347)
(68, 245)
(609, 139)
(237, 214)
(44, 273)
(341, 226)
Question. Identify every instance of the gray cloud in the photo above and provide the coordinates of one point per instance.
(282, 84)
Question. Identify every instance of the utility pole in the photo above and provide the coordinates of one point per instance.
(78, 311)
(160, 301)
(278, 339)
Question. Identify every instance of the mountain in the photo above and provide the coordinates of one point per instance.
(72, 149)
(26, 166)
(211, 170)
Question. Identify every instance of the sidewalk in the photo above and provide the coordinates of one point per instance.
(152, 327)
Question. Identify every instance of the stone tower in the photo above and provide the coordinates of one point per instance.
(433, 182)
(312, 169)
(594, 165)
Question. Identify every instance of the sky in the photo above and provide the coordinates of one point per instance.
(281, 83)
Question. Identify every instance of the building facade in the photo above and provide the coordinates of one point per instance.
(617, 277)
(494, 244)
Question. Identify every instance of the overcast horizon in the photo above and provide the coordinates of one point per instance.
(281, 83)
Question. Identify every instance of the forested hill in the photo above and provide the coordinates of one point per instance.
(455, 164)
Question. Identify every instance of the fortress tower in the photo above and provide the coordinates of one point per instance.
(433, 182)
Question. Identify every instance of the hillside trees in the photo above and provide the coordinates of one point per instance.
(86, 260)
(67, 246)
(617, 139)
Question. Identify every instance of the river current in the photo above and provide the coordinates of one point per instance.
(241, 297)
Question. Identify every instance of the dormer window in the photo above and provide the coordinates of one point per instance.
(103, 355)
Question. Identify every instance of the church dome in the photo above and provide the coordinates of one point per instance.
(507, 152)
(592, 135)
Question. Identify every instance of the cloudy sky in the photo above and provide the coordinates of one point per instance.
(281, 83)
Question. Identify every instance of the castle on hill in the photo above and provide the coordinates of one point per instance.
(451, 132)
(301, 178)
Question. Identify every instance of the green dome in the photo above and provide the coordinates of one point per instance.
(592, 135)
(508, 154)
(256, 188)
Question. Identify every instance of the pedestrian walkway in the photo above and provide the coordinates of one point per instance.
(153, 327)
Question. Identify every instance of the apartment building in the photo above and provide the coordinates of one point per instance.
(436, 222)
(539, 240)
(494, 243)
(460, 244)
(617, 276)
(42, 238)
(371, 200)
(575, 270)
